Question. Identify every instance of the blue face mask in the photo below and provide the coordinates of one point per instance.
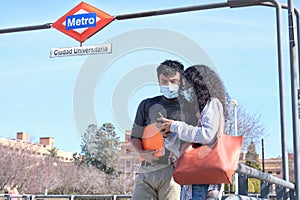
(189, 94)
(169, 91)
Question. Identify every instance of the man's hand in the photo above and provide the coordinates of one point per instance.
(148, 155)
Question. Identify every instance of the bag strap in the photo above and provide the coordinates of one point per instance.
(220, 129)
(220, 132)
(221, 123)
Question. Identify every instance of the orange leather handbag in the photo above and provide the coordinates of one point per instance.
(209, 164)
(153, 140)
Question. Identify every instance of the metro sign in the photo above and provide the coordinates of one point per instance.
(82, 22)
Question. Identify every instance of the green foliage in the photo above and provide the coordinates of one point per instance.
(252, 160)
(53, 152)
(228, 188)
(253, 165)
(253, 185)
(100, 147)
(252, 157)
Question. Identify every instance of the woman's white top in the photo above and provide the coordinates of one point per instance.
(205, 133)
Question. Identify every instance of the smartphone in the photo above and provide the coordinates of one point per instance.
(159, 115)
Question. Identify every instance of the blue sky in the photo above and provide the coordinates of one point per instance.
(38, 91)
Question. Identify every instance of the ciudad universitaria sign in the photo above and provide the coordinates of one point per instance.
(80, 23)
(81, 51)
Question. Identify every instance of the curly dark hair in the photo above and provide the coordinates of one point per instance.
(169, 68)
(207, 84)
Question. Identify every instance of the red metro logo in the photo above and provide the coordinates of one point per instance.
(82, 22)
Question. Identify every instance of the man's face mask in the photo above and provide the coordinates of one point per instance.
(189, 94)
(169, 91)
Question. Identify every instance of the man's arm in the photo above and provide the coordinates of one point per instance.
(137, 144)
(137, 133)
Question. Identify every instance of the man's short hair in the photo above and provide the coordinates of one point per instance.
(169, 68)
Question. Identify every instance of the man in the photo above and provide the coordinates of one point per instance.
(154, 181)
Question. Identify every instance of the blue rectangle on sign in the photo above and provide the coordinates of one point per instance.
(81, 21)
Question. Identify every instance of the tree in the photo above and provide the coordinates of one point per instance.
(32, 172)
(100, 147)
(252, 160)
(53, 152)
(252, 157)
(248, 125)
(19, 168)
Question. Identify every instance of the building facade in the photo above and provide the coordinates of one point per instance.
(42, 149)
(129, 163)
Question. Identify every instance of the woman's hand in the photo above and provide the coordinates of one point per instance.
(164, 126)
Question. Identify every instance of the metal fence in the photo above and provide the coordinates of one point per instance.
(64, 197)
(283, 189)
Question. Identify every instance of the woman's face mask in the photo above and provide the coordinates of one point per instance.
(169, 91)
(189, 94)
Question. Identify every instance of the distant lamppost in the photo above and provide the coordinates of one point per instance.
(235, 105)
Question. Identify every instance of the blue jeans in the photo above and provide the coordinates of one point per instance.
(199, 191)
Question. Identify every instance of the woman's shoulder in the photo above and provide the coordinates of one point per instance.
(216, 104)
(215, 101)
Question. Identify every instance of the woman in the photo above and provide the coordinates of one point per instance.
(205, 94)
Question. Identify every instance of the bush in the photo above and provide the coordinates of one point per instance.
(253, 185)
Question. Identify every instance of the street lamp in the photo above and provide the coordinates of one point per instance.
(235, 105)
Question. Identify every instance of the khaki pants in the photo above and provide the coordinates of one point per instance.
(156, 185)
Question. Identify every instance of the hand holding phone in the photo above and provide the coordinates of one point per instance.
(159, 115)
